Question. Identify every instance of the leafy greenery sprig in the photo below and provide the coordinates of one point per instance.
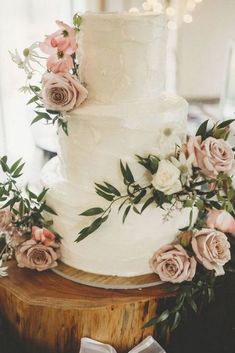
(197, 193)
(27, 207)
(187, 296)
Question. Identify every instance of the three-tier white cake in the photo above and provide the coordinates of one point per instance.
(122, 63)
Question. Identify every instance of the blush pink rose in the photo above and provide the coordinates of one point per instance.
(43, 236)
(59, 63)
(172, 264)
(221, 220)
(62, 92)
(5, 218)
(61, 41)
(37, 256)
(212, 249)
(211, 155)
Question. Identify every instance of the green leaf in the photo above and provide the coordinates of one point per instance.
(188, 203)
(43, 115)
(225, 123)
(33, 99)
(18, 171)
(192, 303)
(37, 118)
(104, 195)
(35, 88)
(129, 175)
(150, 163)
(135, 209)
(200, 204)
(147, 203)
(32, 195)
(122, 204)
(89, 230)
(53, 112)
(127, 210)
(103, 188)
(65, 128)
(156, 320)
(15, 165)
(42, 195)
(202, 130)
(139, 197)
(176, 321)
(10, 203)
(123, 170)
(112, 189)
(159, 198)
(21, 208)
(4, 165)
(92, 212)
(48, 209)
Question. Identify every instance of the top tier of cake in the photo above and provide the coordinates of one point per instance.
(122, 56)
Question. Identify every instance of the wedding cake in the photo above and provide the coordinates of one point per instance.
(122, 63)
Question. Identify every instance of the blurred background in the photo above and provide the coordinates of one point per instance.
(200, 64)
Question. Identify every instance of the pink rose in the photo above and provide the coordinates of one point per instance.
(221, 220)
(59, 63)
(212, 249)
(172, 264)
(5, 218)
(62, 92)
(63, 40)
(43, 236)
(37, 256)
(212, 155)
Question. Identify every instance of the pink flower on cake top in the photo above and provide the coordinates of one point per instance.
(62, 41)
(60, 90)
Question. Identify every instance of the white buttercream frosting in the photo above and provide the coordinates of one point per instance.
(122, 56)
(102, 135)
(122, 63)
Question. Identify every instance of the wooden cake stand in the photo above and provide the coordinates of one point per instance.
(50, 314)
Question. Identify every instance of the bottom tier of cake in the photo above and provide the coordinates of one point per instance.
(115, 249)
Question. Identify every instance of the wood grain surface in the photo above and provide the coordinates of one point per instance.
(50, 314)
(107, 282)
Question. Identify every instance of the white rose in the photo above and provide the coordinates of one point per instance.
(167, 178)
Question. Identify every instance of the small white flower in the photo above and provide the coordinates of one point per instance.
(168, 139)
(167, 178)
(184, 165)
(3, 270)
(30, 57)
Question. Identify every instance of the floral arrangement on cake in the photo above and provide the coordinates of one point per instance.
(24, 231)
(59, 90)
(199, 176)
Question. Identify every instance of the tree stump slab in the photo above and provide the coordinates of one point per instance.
(51, 314)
